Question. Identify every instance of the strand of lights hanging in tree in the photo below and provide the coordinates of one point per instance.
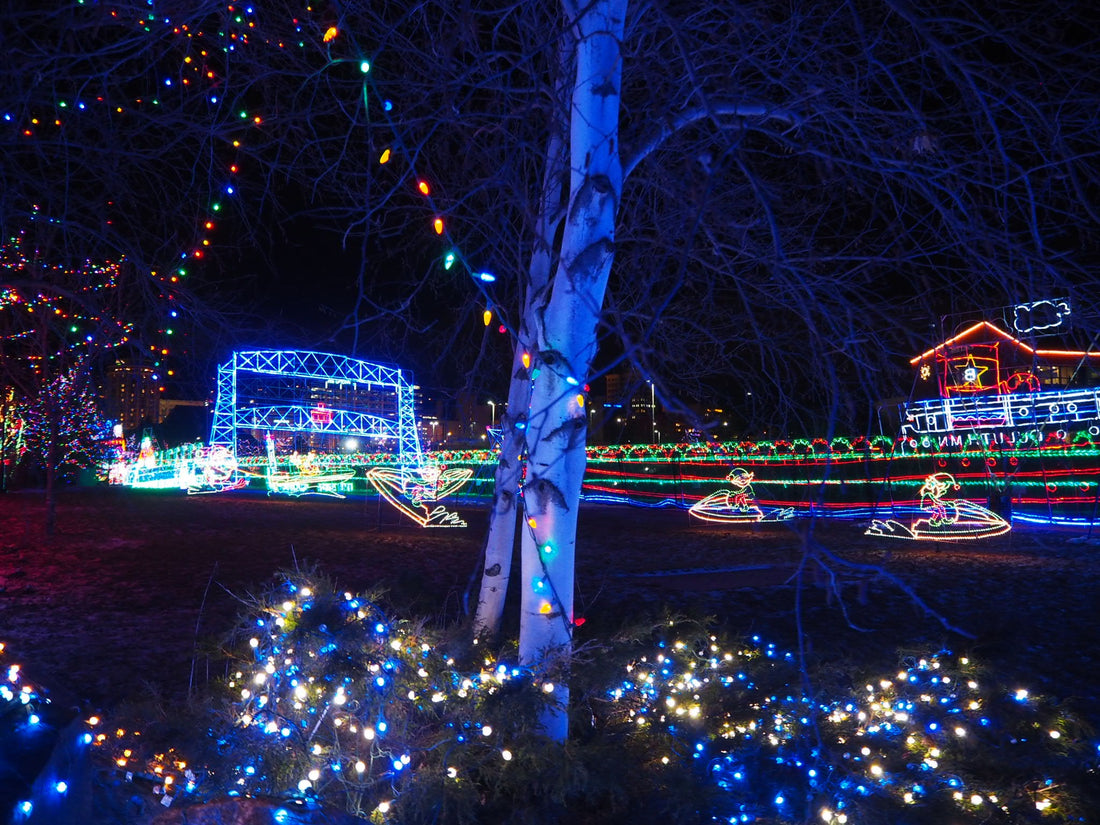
(439, 225)
(240, 28)
(32, 290)
(196, 70)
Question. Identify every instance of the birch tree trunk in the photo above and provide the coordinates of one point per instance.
(564, 322)
(505, 517)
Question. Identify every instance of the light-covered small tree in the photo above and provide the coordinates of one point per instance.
(63, 427)
(57, 328)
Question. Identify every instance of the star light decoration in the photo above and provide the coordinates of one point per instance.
(335, 700)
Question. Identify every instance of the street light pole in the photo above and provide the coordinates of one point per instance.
(652, 413)
(493, 412)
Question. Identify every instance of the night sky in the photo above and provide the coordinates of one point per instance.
(246, 146)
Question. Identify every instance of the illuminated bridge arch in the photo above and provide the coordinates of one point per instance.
(317, 393)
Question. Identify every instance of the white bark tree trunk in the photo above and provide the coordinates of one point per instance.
(504, 518)
(565, 328)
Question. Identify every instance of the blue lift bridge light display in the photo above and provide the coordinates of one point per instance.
(291, 391)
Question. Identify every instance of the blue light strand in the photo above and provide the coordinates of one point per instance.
(737, 712)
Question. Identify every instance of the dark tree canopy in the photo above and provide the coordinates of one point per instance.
(808, 192)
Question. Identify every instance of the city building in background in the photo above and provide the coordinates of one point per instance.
(131, 395)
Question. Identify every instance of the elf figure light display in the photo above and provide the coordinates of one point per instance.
(738, 504)
(943, 518)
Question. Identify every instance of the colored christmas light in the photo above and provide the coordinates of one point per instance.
(368, 704)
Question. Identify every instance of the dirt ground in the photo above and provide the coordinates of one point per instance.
(133, 583)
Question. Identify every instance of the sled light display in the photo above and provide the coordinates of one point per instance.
(416, 491)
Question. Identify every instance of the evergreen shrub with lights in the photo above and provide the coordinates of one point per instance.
(935, 741)
(26, 731)
(332, 701)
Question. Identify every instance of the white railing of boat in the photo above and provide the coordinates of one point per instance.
(1039, 410)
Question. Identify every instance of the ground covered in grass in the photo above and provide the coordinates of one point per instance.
(130, 594)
